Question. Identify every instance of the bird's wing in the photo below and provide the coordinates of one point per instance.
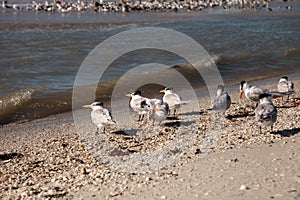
(140, 104)
(101, 116)
(172, 99)
(265, 111)
(282, 86)
(222, 102)
(290, 86)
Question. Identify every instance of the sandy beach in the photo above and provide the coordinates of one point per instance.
(46, 159)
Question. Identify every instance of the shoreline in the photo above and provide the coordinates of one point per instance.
(46, 158)
(230, 86)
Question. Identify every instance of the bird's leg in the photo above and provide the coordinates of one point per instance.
(97, 130)
(139, 118)
(260, 130)
(174, 112)
(152, 123)
(272, 129)
(103, 129)
(142, 117)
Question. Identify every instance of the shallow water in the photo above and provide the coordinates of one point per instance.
(41, 52)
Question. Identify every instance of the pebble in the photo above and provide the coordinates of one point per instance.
(244, 187)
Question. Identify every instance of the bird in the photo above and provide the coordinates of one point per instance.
(251, 92)
(158, 110)
(139, 104)
(172, 99)
(100, 116)
(222, 101)
(265, 112)
(285, 86)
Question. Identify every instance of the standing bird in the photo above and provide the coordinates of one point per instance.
(251, 92)
(158, 110)
(139, 104)
(172, 99)
(222, 101)
(265, 112)
(100, 116)
(285, 86)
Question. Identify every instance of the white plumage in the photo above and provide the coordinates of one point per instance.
(251, 92)
(222, 101)
(100, 116)
(266, 112)
(158, 110)
(285, 87)
(172, 99)
(139, 104)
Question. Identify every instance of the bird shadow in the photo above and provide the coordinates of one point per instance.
(131, 132)
(179, 123)
(287, 132)
(284, 107)
(172, 118)
(192, 113)
(239, 115)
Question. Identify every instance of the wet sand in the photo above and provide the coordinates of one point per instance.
(45, 158)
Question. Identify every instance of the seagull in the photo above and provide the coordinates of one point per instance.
(285, 86)
(222, 101)
(266, 112)
(251, 92)
(100, 116)
(139, 104)
(172, 99)
(159, 110)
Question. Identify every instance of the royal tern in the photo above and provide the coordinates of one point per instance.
(100, 116)
(266, 112)
(172, 99)
(158, 110)
(285, 86)
(222, 101)
(139, 104)
(251, 92)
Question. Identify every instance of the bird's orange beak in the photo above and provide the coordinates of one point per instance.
(128, 95)
(162, 91)
(87, 106)
(156, 109)
(241, 94)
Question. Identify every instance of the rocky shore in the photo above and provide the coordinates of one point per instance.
(46, 158)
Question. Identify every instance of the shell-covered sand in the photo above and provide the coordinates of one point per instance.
(224, 159)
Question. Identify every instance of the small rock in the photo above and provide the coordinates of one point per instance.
(244, 187)
(163, 197)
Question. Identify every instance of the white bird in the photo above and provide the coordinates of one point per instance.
(100, 116)
(266, 112)
(285, 86)
(159, 110)
(172, 99)
(222, 101)
(251, 92)
(139, 104)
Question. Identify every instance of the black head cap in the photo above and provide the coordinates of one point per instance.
(137, 92)
(243, 82)
(98, 103)
(285, 77)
